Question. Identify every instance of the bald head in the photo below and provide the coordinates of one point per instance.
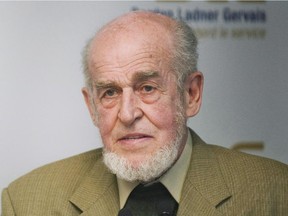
(174, 38)
(128, 21)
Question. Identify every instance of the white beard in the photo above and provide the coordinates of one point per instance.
(148, 170)
(154, 166)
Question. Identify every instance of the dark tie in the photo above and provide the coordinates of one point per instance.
(152, 200)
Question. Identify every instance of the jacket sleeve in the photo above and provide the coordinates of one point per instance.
(7, 207)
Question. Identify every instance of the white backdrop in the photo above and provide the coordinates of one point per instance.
(42, 113)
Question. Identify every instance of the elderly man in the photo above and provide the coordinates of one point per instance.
(142, 85)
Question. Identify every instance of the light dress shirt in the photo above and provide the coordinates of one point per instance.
(173, 179)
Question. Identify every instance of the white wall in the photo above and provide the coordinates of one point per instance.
(42, 114)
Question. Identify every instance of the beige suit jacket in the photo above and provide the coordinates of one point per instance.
(219, 182)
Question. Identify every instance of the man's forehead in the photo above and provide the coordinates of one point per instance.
(130, 53)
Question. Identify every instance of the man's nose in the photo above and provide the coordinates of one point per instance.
(129, 110)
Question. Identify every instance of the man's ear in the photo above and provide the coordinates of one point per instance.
(193, 93)
(89, 103)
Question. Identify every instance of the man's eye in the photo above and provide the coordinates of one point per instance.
(110, 93)
(149, 93)
(148, 89)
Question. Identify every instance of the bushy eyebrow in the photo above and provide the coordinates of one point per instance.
(102, 85)
(144, 76)
(138, 77)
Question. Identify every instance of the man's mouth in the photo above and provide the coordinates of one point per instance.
(134, 142)
(134, 137)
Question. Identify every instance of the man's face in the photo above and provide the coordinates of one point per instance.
(135, 95)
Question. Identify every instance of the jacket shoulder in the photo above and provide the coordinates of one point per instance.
(52, 184)
(258, 184)
(235, 161)
(58, 171)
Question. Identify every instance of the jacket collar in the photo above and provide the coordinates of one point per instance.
(204, 188)
(97, 191)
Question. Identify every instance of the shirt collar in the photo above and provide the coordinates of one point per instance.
(179, 169)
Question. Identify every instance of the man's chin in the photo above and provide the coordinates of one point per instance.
(141, 169)
(135, 163)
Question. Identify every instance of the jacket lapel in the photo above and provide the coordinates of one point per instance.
(204, 188)
(97, 191)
